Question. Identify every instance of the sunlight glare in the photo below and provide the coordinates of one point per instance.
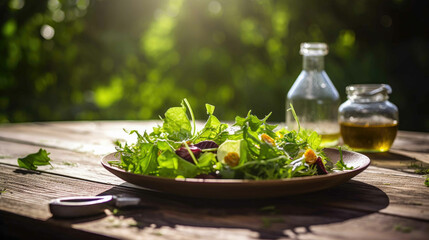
(47, 32)
(215, 7)
(16, 4)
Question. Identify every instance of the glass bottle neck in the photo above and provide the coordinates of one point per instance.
(313, 63)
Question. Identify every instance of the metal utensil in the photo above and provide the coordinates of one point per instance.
(69, 207)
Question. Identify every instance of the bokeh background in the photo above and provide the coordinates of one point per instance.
(132, 59)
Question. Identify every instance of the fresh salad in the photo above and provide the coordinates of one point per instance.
(249, 149)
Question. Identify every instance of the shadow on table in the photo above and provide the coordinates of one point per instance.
(270, 218)
(26, 171)
(396, 161)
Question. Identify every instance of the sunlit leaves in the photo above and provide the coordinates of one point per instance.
(105, 96)
(9, 28)
(251, 32)
(157, 40)
(16, 4)
(347, 38)
(280, 20)
(237, 54)
(345, 43)
(44, 81)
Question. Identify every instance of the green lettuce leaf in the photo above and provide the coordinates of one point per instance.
(210, 109)
(176, 124)
(172, 166)
(207, 160)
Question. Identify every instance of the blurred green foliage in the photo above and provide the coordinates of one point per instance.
(130, 59)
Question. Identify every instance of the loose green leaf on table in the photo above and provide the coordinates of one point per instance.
(33, 160)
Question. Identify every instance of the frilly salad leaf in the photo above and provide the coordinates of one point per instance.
(213, 129)
(263, 152)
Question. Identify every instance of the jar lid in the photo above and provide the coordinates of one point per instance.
(368, 89)
(314, 49)
(370, 92)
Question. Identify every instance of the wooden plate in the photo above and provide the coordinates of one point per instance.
(236, 188)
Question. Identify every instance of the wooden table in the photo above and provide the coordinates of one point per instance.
(387, 201)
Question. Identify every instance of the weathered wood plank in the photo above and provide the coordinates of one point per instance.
(14, 226)
(412, 141)
(64, 162)
(407, 190)
(407, 194)
(306, 216)
(376, 202)
(88, 137)
(412, 144)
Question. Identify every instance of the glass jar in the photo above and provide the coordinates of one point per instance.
(368, 121)
(314, 97)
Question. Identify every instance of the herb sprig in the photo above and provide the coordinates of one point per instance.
(340, 165)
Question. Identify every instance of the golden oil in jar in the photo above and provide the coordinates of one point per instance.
(329, 139)
(368, 120)
(369, 138)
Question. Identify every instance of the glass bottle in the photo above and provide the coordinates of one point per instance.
(368, 121)
(314, 97)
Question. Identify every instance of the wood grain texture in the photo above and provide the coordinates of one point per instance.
(387, 201)
(408, 186)
(339, 213)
